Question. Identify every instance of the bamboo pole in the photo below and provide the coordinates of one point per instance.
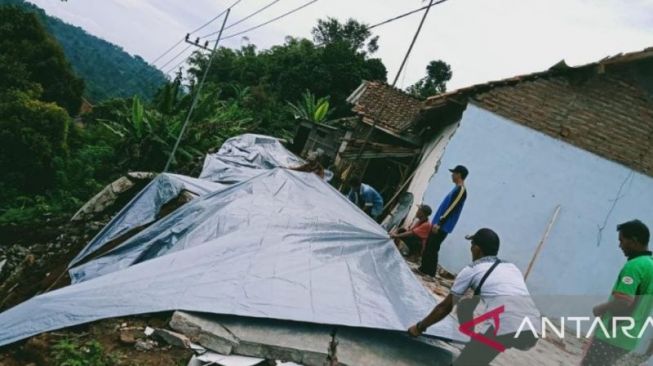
(541, 243)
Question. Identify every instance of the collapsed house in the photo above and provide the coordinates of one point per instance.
(557, 159)
(379, 141)
(252, 239)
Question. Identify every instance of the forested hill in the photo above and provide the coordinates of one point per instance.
(108, 71)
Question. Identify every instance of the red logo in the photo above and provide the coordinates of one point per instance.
(468, 328)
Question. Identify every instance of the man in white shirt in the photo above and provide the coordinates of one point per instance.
(500, 286)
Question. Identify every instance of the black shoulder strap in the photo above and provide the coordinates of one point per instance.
(487, 273)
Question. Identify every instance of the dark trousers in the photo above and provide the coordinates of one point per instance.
(476, 353)
(413, 242)
(430, 255)
(602, 354)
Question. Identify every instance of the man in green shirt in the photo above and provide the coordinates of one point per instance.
(632, 297)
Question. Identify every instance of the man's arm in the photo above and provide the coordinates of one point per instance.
(620, 305)
(623, 294)
(439, 312)
(457, 200)
(405, 234)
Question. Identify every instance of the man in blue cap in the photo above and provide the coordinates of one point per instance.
(445, 220)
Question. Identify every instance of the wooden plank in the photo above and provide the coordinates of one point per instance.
(541, 243)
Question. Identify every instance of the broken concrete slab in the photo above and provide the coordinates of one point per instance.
(107, 196)
(145, 345)
(210, 358)
(305, 343)
(207, 333)
(172, 338)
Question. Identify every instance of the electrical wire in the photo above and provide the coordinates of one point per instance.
(193, 31)
(269, 21)
(403, 15)
(243, 19)
(214, 18)
(176, 56)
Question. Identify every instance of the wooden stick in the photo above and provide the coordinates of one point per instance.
(541, 243)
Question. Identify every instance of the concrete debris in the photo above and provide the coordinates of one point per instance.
(130, 335)
(172, 338)
(210, 358)
(109, 194)
(145, 345)
(305, 344)
(195, 362)
(208, 334)
(197, 348)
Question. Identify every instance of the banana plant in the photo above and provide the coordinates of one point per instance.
(310, 108)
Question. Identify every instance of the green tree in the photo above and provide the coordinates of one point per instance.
(24, 41)
(435, 82)
(283, 72)
(33, 134)
(354, 34)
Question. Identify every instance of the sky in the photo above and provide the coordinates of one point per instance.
(482, 40)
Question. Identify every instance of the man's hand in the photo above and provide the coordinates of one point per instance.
(598, 310)
(414, 331)
(394, 236)
(435, 228)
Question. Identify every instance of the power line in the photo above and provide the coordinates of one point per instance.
(412, 43)
(403, 15)
(214, 18)
(244, 19)
(197, 29)
(167, 51)
(271, 20)
(178, 64)
(176, 56)
(403, 63)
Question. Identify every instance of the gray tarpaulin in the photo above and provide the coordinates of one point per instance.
(284, 245)
(281, 245)
(144, 207)
(243, 157)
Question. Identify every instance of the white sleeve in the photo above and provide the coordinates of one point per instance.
(462, 283)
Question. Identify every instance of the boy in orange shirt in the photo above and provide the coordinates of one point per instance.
(417, 234)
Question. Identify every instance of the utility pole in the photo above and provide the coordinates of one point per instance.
(403, 63)
(197, 93)
(410, 48)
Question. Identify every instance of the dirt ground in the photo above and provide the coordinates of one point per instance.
(38, 350)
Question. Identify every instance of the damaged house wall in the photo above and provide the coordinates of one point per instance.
(518, 176)
(428, 165)
(144, 208)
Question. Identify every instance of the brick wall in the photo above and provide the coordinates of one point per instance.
(608, 114)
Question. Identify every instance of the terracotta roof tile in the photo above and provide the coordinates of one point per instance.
(391, 108)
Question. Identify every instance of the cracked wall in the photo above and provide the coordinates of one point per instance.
(517, 178)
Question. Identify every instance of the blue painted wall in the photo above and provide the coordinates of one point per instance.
(517, 178)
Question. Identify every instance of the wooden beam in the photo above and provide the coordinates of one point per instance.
(380, 154)
(541, 243)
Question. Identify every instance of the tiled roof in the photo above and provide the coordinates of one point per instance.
(557, 69)
(604, 107)
(391, 108)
